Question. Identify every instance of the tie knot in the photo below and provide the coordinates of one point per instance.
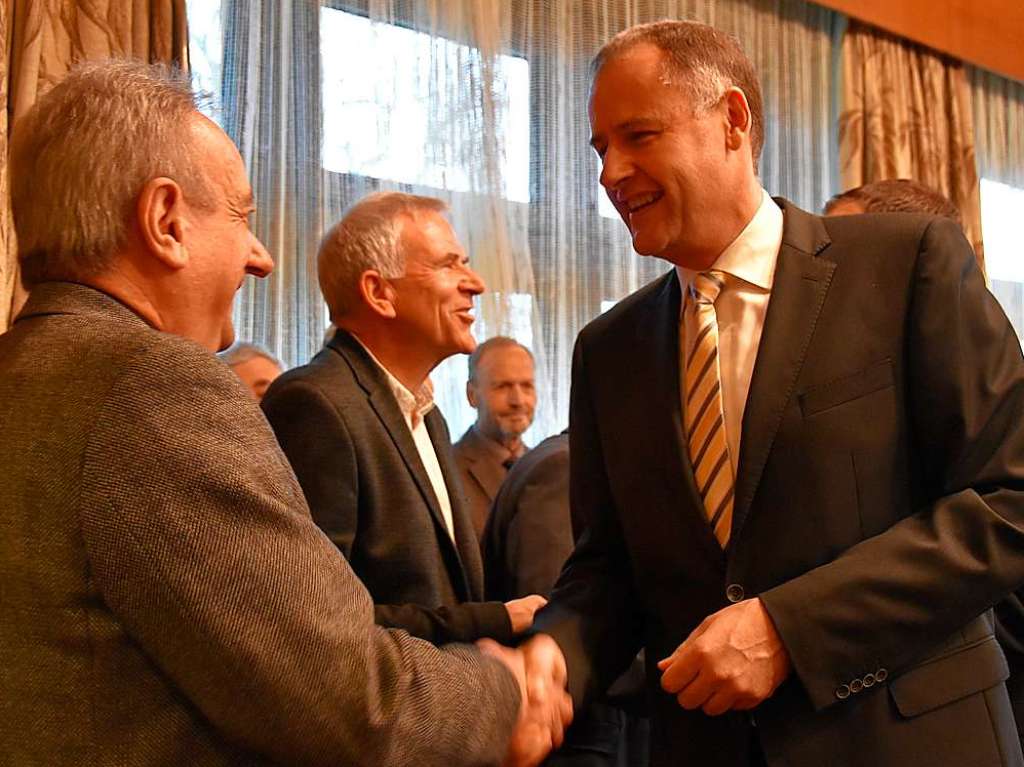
(706, 286)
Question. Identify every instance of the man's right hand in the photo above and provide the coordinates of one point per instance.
(521, 611)
(546, 708)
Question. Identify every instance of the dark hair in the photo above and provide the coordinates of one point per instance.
(898, 195)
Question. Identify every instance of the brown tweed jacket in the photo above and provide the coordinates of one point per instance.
(165, 598)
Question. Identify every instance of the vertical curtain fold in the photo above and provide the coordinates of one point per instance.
(271, 107)
(907, 114)
(43, 40)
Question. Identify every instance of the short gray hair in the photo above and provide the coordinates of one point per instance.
(81, 156)
(701, 61)
(243, 351)
(368, 237)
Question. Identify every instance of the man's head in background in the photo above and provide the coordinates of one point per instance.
(902, 195)
(393, 272)
(118, 182)
(501, 388)
(255, 366)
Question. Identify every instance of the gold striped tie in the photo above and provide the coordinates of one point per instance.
(702, 406)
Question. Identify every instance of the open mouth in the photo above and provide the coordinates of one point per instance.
(641, 202)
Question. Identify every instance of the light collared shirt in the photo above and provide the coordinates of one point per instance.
(748, 264)
(414, 409)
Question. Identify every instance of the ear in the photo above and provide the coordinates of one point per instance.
(377, 294)
(738, 118)
(471, 394)
(160, 211)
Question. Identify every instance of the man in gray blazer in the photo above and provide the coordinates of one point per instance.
(501, 389)
(358, 423)
(166, 597)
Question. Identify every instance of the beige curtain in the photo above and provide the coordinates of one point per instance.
(42, 40)
(906, 113)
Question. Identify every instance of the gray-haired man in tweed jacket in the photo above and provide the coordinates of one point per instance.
(165, 598)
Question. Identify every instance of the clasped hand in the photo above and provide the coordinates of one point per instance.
(546, 708)
(732, 661)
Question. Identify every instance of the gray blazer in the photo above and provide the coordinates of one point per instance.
(480, 462)
(165, 597)
(339, 424)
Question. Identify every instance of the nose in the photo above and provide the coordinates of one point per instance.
(473, 283)
(614, 169)
(260, 261)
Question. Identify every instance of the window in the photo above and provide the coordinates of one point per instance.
(1004, 256)
(386, 87)
(206, 52)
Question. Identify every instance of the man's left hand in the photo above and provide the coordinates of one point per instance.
(732, 661)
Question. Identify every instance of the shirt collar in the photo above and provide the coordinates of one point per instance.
(752, 256)
(414, 406)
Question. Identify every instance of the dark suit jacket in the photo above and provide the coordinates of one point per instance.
(165, 597)
(480, 462)
(879, 508)
(339, 424)
(529, 535)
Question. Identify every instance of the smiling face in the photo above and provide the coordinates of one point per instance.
(433, 300)
(221, 247)
(675, 176)
(503, 393)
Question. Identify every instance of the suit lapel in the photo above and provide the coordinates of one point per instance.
(373, 381)
(658, 342)
(798, 293)
(484, 471)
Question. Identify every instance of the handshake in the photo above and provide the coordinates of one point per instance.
(546, 709)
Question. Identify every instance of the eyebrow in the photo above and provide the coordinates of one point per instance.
(628, 125)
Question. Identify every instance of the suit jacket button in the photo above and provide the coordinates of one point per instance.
(869, 680)
(843, 692)
(734, 593)
(881, 675)
(856, 686)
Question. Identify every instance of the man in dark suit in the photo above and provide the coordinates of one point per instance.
(529, 535)
(796, 459)
(904, 195)
(528, 538)
(358, 423)
(501, 389)
(166, 596)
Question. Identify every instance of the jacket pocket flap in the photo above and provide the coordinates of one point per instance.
(869, 380)
(948, 678)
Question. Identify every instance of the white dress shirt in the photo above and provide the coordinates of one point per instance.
(414, 407)
(748, 264)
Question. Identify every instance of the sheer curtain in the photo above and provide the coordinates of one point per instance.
(483, 104)
(998, 105)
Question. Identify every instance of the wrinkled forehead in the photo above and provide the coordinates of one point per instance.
(428, 229)
(217, 156)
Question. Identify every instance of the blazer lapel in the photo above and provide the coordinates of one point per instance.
(798, 293)
(484, 471)
(657, 340)
(373, 381)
